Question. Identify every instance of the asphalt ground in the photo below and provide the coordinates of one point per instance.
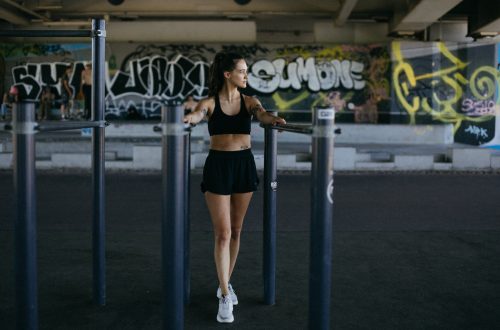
(411, 251)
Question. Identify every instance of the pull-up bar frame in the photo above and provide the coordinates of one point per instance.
(24, 128)
(320, 254)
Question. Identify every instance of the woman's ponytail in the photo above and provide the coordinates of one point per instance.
(222, 62)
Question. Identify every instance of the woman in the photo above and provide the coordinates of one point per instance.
(229, 175)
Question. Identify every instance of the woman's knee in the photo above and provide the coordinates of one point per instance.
(235, 233)
(223, 236)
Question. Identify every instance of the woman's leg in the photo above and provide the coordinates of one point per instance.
(239, 206)
(219, 207)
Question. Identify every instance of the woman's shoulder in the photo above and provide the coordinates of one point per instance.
(250, 101)
(207, 101)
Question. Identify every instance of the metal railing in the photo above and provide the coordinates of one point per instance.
(175, 222)
(23, 128)
(175, 214)
(322, 131)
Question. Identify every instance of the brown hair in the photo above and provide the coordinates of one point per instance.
(223, 62)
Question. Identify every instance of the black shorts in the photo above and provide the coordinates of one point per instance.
(228, 172)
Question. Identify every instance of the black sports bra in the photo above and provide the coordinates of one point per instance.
(220, 123)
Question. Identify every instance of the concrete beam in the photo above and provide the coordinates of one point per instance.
(420, 15)
(12, 17)
(484, 21)
(182, 31)
(351, 32)
(345, 10)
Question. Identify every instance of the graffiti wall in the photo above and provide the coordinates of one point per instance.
(291, 80)
(459, 86)
(402, 82)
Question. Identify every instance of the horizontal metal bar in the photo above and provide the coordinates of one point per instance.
(301, 129)
(159, 128)
(63, 126)
(46, 33)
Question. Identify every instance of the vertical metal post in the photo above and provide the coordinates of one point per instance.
(23, 136)
(187, 221)
(98, 231)
(173, 217)
(270, 187)
(321, 219)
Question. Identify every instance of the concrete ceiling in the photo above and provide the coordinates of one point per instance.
(402, 16)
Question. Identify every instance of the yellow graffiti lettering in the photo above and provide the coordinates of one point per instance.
(447, 85)
(483, 87)
(403, 69)
(282, 104)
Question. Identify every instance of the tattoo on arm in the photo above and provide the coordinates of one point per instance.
(204, 111)
(256, 109)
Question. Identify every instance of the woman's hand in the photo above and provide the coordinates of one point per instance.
(277, 120)
(196, 116)
(188, 119)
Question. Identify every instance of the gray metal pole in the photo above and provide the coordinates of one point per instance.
(187, 221)
(270, 187)
(23, 137)
(173, 217)
(98, 231)
(321, 219)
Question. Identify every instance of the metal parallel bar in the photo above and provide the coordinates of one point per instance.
(25, 221)
(301, 129)
(46, 33)
(270, 187)
(98, 224)
(291, 128)
(62, 126)
(173, 218)
(320, 268)
(187, 220)
(163, 126)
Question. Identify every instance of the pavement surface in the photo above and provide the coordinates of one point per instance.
(411, 251)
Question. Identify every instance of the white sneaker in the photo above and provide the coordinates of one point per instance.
(225, 314)
(232, 294)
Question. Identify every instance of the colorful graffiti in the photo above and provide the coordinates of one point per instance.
(355, 81)
(291, 79)
(427, 85)
(453, 90)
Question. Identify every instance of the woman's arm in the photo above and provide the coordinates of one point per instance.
(201, 111)
(262, 115)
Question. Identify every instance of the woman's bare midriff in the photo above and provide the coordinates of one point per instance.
(230, 142)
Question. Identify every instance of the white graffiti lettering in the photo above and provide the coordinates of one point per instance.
(479, 132)
(266, 76)
(156, 79)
